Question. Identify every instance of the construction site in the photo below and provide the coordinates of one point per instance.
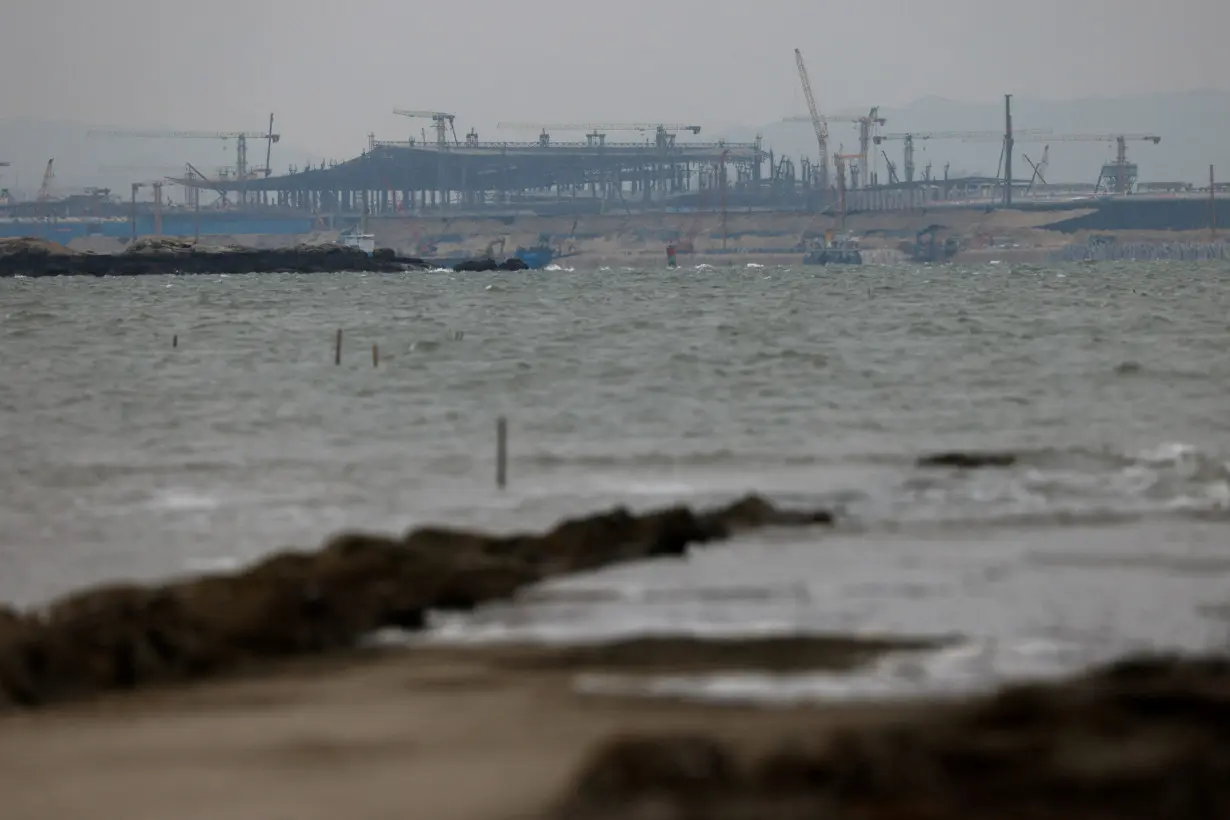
(614, 190)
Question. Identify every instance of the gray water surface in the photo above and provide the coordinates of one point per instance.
(125, 457)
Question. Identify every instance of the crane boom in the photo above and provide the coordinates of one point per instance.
(807, 118)
(627, 126)
(442, 119)
(44, 191)
(817, 121)
(1104, 138)
(241, 143)
(995, 136)
(188, 135)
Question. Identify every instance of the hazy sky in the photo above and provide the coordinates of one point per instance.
(332, 71)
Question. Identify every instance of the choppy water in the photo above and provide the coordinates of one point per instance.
(125, 457)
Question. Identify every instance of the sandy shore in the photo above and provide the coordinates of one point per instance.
(433, 733)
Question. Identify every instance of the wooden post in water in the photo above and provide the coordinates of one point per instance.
(375, 356)
(337, 349)
(175, 340)
(501, 452)
(1212, 206)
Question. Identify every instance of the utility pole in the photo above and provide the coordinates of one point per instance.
(1009, 144)
(1212, 205)
(136, 186)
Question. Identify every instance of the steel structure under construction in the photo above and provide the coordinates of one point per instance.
(595, 173)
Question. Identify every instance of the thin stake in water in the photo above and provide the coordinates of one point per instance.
(375, 356)
(501, 452)
(337, 350)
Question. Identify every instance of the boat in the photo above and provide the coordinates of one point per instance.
(536, 257)
(835, 250)
(365, 242)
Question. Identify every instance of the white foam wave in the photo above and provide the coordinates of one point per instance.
(957, 670)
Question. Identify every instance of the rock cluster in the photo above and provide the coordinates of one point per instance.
(487, 264)
(293, 603)
(1141, 738)
(24, 257)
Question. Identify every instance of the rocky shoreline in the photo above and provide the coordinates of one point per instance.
(35, 258)
(1142, 738)
(126, 636)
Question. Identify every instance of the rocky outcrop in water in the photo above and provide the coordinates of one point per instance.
(488, 264)
(123, 636)
(967, 460)
(35, 258)
(1145, 738)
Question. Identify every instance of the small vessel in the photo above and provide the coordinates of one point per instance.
(835, 250)
(365, 242)
(536, 257)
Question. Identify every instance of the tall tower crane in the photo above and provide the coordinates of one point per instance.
(867, 126)
(1120, 175)
(242, 171)
(968, 136)
(442, 120)
(817, 121)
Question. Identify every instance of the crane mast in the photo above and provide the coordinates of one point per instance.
(44, 191)
(817, 121)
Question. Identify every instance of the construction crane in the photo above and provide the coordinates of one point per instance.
(49, 175)
(967, 136)
(892, 169)
(599, 127)
(443, 121)
(242, 171)
(866, 132)
(817, 120)
(1121, 174)
(1039, 168)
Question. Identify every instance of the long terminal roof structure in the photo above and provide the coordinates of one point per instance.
(496, 166)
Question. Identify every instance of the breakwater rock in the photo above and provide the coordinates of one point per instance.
(488, 264)
(123, 636)
(1114, 251)
(1141, 738)
(35, 258)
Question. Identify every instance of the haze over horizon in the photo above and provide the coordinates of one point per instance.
(333, 73)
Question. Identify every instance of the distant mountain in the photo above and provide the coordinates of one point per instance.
(1194, 127)
(115, 163)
